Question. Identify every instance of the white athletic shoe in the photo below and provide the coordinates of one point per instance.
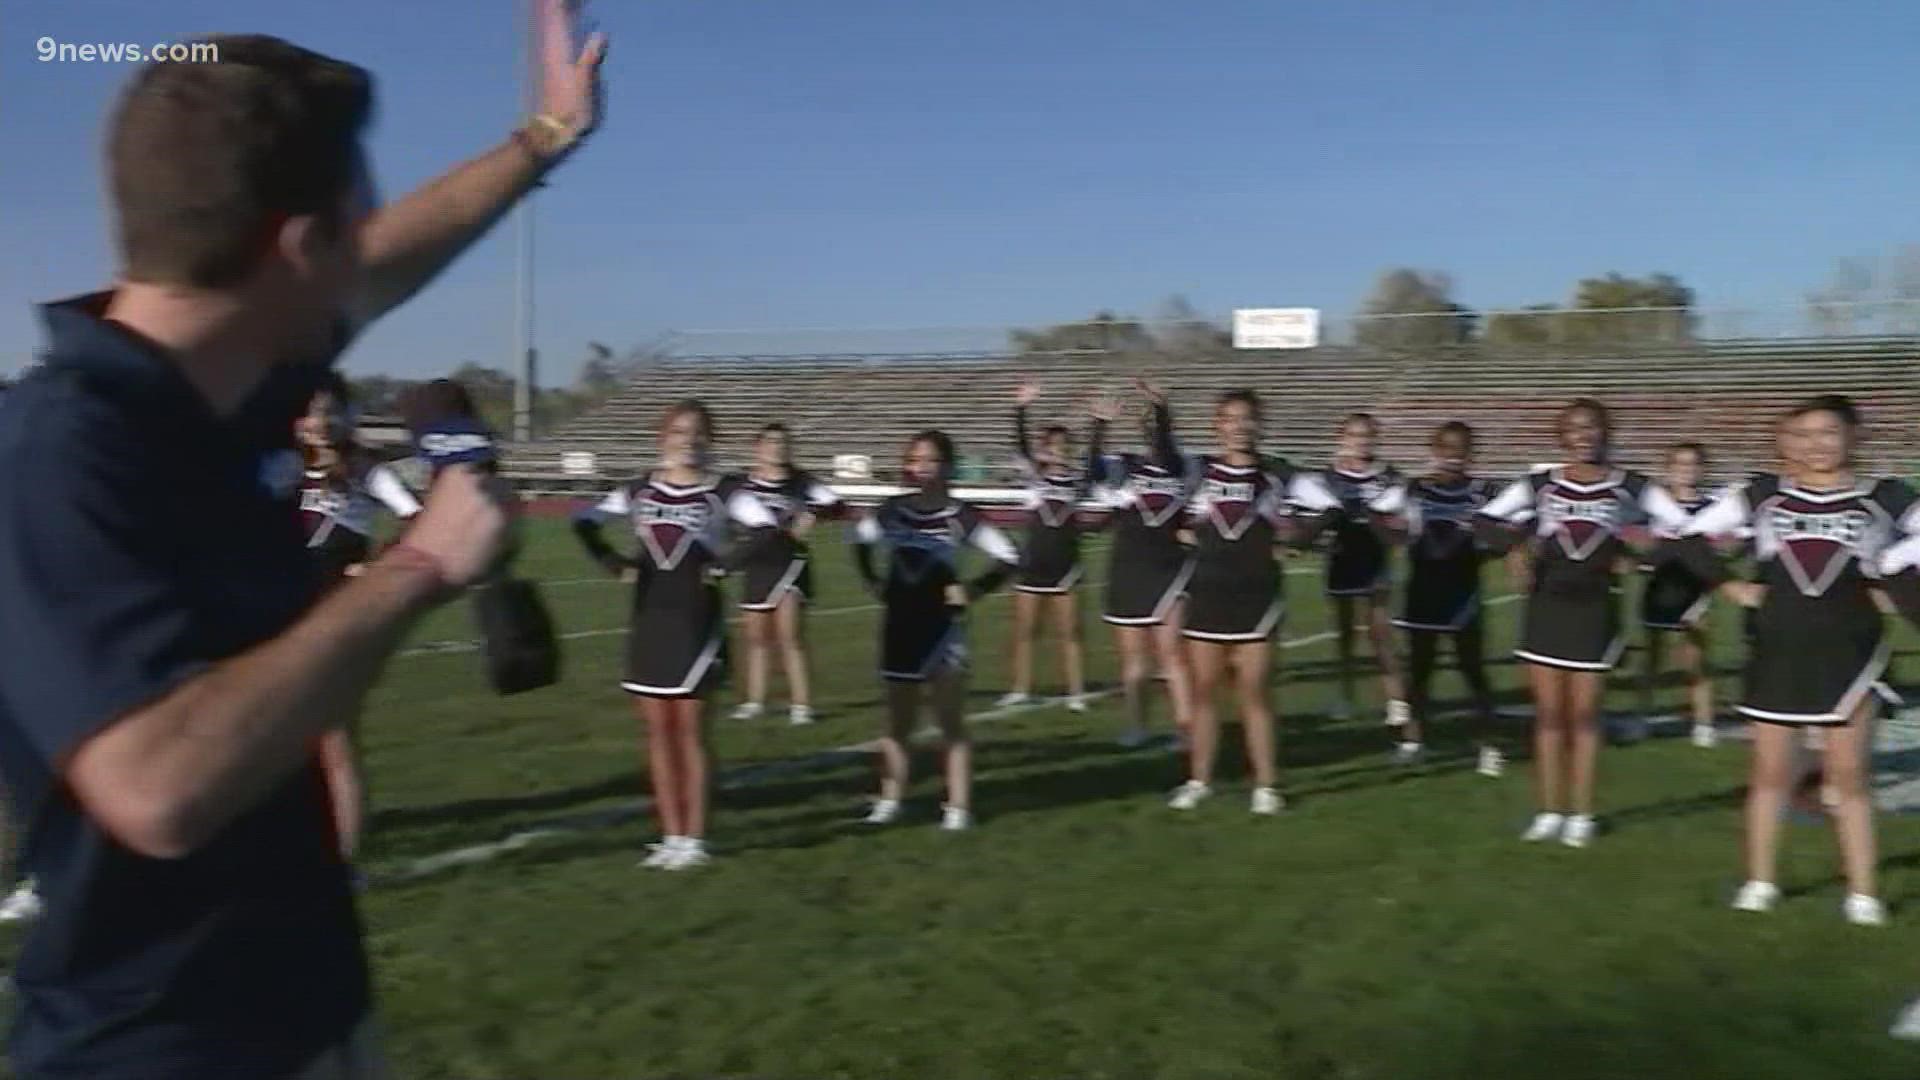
(1189, 795)
(748, 710)
(1545, 826)
(884, 812)
(1398, 714)
(1492, 762)
(1267, 802)
(1580, 830)
(955, 819)
(1408, 753)
(1013, 699)
(660, 856)
(799, 716)
(1706, 736)
(1864, 910)
(1756, 896)
(22, 904)
(1076, 703)
(1907, 1024)
(690, 854)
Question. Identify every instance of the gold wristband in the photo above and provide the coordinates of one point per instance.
(546, 137)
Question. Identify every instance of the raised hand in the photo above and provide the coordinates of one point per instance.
(1027, 392)
(1104, 408)
(1150, 390)
(569, 77)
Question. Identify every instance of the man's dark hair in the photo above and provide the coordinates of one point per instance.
(205, 160)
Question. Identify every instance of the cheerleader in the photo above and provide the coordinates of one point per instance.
(1579, 516)
(777, 580)
(681, 515)
(1240, 513)
(1433, 516)
(1357, 574)
(923, 628)
(342, 493)
(1675, 601)
(1146, 495)
(1050, 560)
(1822, 535)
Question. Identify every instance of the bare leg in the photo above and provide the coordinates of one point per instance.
(1549, 738)
(903, 706)
(1769, 787)
(1343, 643)
(1847, 752)
(1423, 647)
(689, 734)
(668, 802)
(1066, 627)
(1175, 664)
(1380, 632)
(791, 619)
(1136, 671)
(759, 631)
(1693, 656)
(1203, 728)
(1582, 717)
(949, 690)
(1251, 663)
(347, 795)
(1026, 610)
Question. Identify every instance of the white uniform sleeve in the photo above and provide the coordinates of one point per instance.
(1726, 515)
(1514, 504)
(1309, 491)
(384, 485)
(820, 496)
(1669, 518)
(611, 508)
(746, 509)
(867, 530)
(994, 543)
(1391, 501)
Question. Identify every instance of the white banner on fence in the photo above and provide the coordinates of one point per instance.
(1276, 328)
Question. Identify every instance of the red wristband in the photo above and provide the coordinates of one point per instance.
(406, 555)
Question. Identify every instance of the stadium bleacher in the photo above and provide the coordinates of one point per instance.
(1722, 393)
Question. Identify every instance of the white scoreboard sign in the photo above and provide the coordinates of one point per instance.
(1276, 328)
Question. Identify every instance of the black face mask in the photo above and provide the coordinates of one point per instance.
(267, 416)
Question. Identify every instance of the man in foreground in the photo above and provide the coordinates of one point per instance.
(165, 672)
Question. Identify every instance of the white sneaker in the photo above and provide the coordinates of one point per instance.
(1545, 826)
(799, 716)
(1398, 714)
(1189, 795)
(1408, 753)
(660, 856)
(1012, 699)
(748, 710)
(1492, 762)
(1756, 896)
(1076, 703)
(22, 904)
(955, 819)
(690, 854)
(1706, 736)
(1907, 1025)
(1580, 830)
(883, 813)
(1864, 910)
(1267, 802)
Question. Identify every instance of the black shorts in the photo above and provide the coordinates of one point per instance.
(676, 643)
(1357, 570)
(766, 585)
(1673, 599)
(1576, 631)
(1813, 663)
(1143, 594)
(921, 641)
(1440, 607)
(1235, 611)
(1050, 563)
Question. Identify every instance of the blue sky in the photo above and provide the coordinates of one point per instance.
(888, 164)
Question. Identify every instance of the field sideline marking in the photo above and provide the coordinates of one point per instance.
(426, 865)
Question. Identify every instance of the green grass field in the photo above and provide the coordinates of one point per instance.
(1390, 925)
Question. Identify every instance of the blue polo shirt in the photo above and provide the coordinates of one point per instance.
(143, 539)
